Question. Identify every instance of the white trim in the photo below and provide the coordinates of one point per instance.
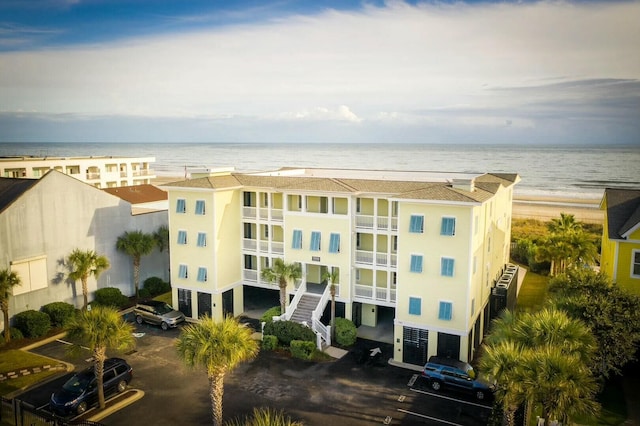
(632, 230)
(632, 260)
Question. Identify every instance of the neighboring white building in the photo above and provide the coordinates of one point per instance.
(429, 248)
(101, 172)
(43, 220)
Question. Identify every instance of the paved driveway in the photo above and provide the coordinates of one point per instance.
(343, 392)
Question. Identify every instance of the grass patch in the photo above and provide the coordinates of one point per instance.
(164, 297)
(14, 360)
(533, 293)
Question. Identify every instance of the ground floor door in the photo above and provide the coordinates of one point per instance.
(227, 303)
(204, 304)
(356, 315)
(449, 345)
(184, 302)
(415, 345)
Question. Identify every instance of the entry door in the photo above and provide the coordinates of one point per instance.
(448, 345)
(415, 345)
(227, 303)
(357, 314)
(204, 304)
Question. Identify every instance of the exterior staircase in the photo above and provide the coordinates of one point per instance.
(306, 305)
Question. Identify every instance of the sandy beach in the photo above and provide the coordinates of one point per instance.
(524, 206)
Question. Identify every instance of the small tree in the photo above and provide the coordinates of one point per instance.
(136, 244)
(282, 273)
(219, 347)
(8, 280)
(84, 263)
(332, 277)
(100, 329)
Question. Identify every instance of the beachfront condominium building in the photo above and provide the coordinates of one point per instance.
(101, 172)
(428, 246)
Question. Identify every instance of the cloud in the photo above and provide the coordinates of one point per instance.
(425, 66)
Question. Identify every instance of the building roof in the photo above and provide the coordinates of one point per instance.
(623, 211)
(399, 184)
(12, 188)
(138, 194)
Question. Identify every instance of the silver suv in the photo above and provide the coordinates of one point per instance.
(158, 313)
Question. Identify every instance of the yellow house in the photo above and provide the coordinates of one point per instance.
(428, 248)
(620, 258)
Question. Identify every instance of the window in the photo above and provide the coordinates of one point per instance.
(448, 226)
(200, 207)
(394, 243)
(415, 306)
(416, 263)
(266, 231)
(334, 243)
(182, 237)
(181, 206)
(358, 275)
(446, 266)
(202, 274)
(416, 225)
(297, 239)
(445, 311)
(182, 271)
(358, 205)
(635, 264)
(358, 240)
(202, 239)
(315, 241)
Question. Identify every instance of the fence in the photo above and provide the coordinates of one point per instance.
(19, 413)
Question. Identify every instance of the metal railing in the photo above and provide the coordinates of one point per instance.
(323, 331)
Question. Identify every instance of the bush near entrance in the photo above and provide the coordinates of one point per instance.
(32, 323)
(286, 331)
(346, 333)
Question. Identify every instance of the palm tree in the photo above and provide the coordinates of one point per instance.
(541, 338)
(282, 273)
(567, 223)
(84, 263)
(136, 244)
(332, 276)
(161, 236)
(219, 347)
(100, 329)
(503, 361)
(8, 280)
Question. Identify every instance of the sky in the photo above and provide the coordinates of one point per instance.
(523, 72)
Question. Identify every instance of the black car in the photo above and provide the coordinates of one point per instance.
(80, 391)
(456, 374)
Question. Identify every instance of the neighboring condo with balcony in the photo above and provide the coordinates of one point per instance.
(428, 247)
(101, 172)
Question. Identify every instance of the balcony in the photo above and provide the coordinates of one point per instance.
(143, 172)
(93, 176)
(250, 244)
(249, 212)
(382, 223)
(368, 258)
(375, 293)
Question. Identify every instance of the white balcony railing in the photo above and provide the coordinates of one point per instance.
(382, 223)
(250, 275)
(249, 244)
(277, 247)
(380, 294)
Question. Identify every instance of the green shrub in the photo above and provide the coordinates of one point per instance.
(286, 331)
(111, 296)
(15, 334)
(271, 312)
(346, 333)
(302, 349)
(144, 293)
(156, 286)
(60, 313)
(32, 323)
(265, 417)
(269, 342)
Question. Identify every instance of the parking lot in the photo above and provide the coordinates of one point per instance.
(347, 391)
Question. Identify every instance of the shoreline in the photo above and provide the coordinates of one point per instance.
(538, 207)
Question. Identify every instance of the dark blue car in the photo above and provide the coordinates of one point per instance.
(81, 392)
(455, 374)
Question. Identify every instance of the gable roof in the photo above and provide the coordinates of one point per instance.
(138, 194)
(623, 211)
(12, 188)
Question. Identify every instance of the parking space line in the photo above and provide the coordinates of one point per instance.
(451, 399)
(429, 417)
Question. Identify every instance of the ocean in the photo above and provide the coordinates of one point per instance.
(560, 171)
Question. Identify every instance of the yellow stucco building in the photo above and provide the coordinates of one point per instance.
(428, 247)
(620, 258)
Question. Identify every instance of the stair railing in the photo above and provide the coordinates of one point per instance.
(324, 332)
